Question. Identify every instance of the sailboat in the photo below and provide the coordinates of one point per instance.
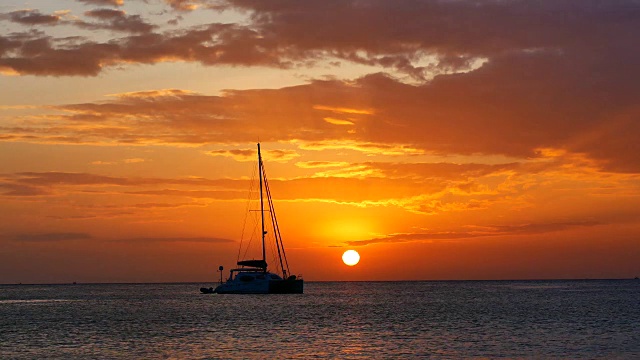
(252, 276)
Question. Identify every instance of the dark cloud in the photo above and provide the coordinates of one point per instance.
(38, 54)
(226, 44)
(116, 20)
(108, 19)
(31, 17)
(17, 189)
(396, 35)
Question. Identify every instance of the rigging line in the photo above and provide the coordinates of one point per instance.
(271, 234)
(276, 228)
(253, 235)
(271, 215)
(272, 248)
(280, 245)
(274, 245)
(246, 213)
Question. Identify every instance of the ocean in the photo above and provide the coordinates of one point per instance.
(584, 319)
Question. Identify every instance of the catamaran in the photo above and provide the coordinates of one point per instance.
(252, 276)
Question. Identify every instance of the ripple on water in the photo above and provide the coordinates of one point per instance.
(331, 320)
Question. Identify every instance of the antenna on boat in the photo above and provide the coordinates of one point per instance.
(264, 255)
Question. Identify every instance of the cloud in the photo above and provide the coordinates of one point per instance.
(194, 194)
(48, 179)
(31, 17)
(49, 237)
(508, 110)
(17, 189)
(151, 240)
(34, 53)
(184, 5)
(149, 95)
(321, 164)
(401, 34)
(433, 189)
(124, 161)
(536, 83)
(116, 20)
(103, 2)
(345, 189)
(449, 171)
(369, 148)
(164, 205)
(37, 54)
(339, 110)
(497, 230)
(61, 184)
(238, 155)
(335, 121)
(250, 154)
(416, 39)
(70, 236)
(108, 19)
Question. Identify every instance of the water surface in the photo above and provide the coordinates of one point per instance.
(458, 319)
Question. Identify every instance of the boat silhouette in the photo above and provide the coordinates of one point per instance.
(252, 276)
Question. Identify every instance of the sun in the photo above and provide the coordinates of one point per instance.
(351, 257)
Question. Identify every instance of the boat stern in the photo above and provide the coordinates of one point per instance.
(288, 286)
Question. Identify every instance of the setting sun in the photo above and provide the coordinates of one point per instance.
(351, 257)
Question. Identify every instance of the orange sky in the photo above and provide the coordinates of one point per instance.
(441, 140)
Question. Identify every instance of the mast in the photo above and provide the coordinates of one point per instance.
(264, 255)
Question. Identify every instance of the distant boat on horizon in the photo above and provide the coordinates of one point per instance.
(252, 276)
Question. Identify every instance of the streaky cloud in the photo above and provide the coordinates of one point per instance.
(276, 155)
(150, 240)
(49, 237)
(486, 231)
(103, 2)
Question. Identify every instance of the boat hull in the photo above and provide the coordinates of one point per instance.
(288, 286)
